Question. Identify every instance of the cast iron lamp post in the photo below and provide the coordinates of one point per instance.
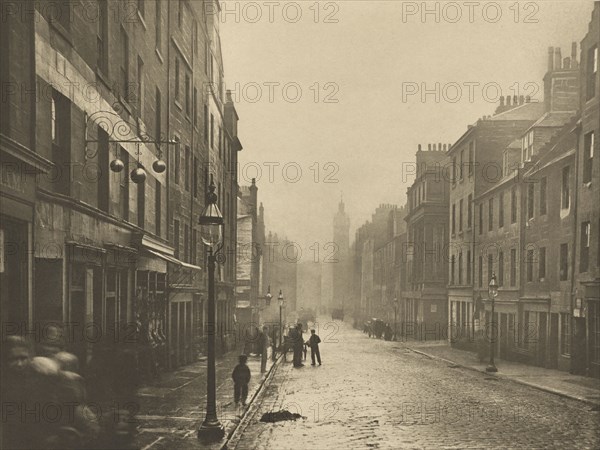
(268, 299)
(492, 293)
(395, 319)
(211, 231)
(281, 304)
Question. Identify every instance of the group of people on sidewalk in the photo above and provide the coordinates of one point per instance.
(241, 372)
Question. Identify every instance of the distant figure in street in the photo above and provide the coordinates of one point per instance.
(313, 341)
(264, 348)
(241, 378)
(298, 344)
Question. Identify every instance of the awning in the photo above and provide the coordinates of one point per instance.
(173, 260)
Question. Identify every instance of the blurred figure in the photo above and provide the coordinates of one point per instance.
(264, 348)
(241, 378)
(298, 344)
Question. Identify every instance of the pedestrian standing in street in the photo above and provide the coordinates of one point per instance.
(313, 341)
(241, 378)
(264, 348)
(298, 344)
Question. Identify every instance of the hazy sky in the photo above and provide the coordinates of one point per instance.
(376, 51)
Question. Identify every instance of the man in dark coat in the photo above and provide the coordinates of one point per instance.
(313, 341)
(298, 345)
(241, 378)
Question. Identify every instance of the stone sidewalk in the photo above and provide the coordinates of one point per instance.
(171, 409)
(561, 383)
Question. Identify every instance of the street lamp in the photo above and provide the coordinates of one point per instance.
(211, 231)
(281, 304)
(268, 297)
(395, 318)
(492, 293)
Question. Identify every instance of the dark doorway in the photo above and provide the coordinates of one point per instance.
(542, 340)
(553, 342)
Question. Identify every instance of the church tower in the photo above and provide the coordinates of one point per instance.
(341, 259)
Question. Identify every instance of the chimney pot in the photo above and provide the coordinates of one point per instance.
(528, 99)
(440, 146)
(508, 99)
(502, 100)
(444, 147)
(557, 59)
(567, 63)
(419, 147)
(521, 99)
(429, 147)
(550, 59)
(434, 148)
(515, 100)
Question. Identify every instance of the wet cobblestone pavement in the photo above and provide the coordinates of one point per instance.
(375, 394)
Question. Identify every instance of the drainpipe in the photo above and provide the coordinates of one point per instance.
(168, 178)
(577, 130)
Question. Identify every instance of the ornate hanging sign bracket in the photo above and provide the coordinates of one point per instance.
(120, 131)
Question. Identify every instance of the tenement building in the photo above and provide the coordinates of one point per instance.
(115, 127)
(425, 312)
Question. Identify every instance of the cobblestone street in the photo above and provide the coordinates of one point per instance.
(375, 394)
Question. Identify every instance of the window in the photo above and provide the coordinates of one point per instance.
(460, 215)
(462, 163)
(186, 169)
(194, 255)
(584, 256)
(542, 263)
(454, 170)
(54, 120)
(158, 112)
(480, 218)
(140, 87)
(564, 262)
(195, 183)
(470, 158)
(591, 72)
(530, 199)
(500, 269)
(468, 266)
(490, 266)
(469, 211)
(188, 103)
(186, 243)
(124, 63)
(513, 267)
(491, 214)
(141, 205)
(206, 58)
(565, 194)
(480, 271)
(60, 126)
(176, 166)
(176, 237)
(452, 268)
(158, 24)
(527, 146)
(588, 157)
(513, 205)
(543, 204)
(103, 36)
(565, 334)
(460, 267)
(157, 206)
(501, 210)
(529, 266)
(177, 75)
(454, 218)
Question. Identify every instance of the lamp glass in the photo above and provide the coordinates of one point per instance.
(493, 286)
(211, 225)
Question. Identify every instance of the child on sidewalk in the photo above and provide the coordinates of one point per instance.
(241, 378)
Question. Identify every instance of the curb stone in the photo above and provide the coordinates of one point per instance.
(508, 378)
(233, 437)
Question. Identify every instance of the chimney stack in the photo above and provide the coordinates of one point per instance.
(502, 101)
(429, 147)
(550, 59)
(521, 99)
(508, 98)
(557, 59)
(515, 100)
(440, 147)
(419, 147)
(574, 55)
(444, 147)
(528, 99)
(567, 63)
